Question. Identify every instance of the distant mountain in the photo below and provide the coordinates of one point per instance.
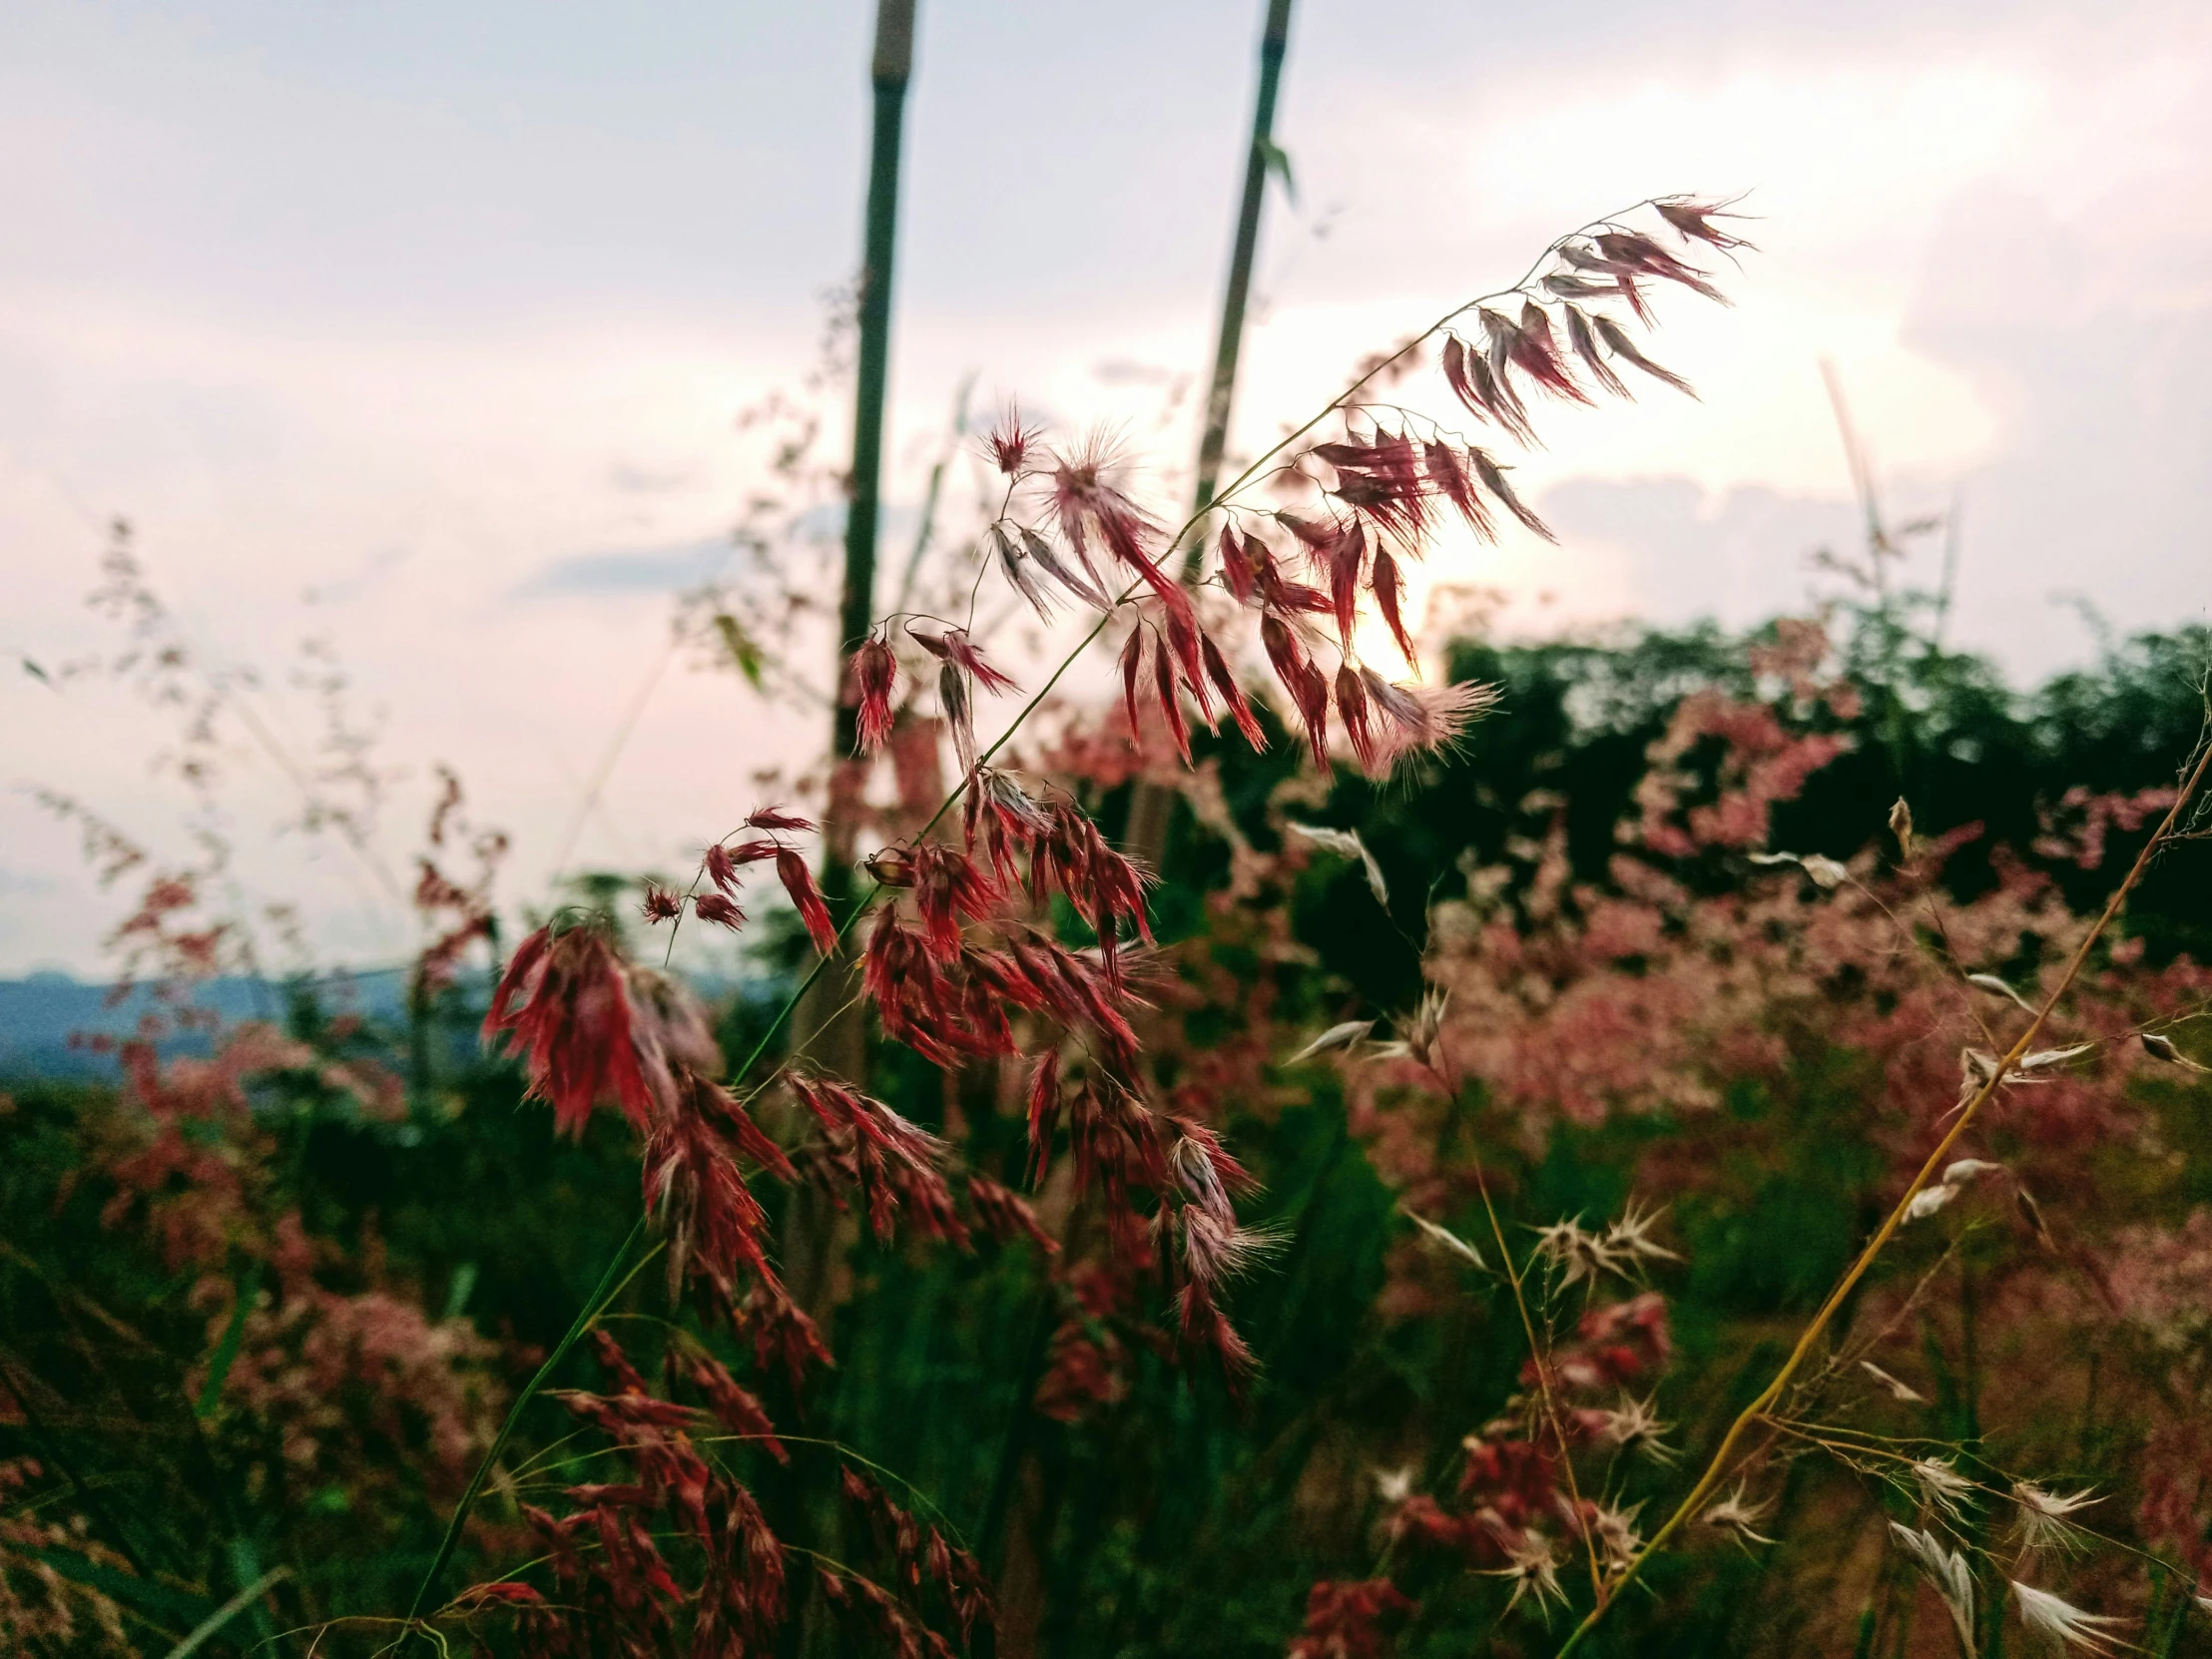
(45, 1019)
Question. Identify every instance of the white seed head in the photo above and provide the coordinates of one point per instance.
(1965, 1169)
(1997, 988)
(1928, 1200)
(1941, 1486)
(1630, 1236)
(1534, 1570)
(1947, 1571)
(2044, 1518)
(1446, 1238)
(1575, 1253)
(2061, 1622)
(1394, 1486)
(1736, 1515)
(1634, 1426)
(1337, 1036)
(1897, 1390)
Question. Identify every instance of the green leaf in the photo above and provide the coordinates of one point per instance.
(745, 653)
(1275, 160)
(226, 1351)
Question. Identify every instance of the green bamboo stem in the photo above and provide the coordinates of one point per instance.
(1150, 803)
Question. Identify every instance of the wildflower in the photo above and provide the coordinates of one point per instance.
(2060, 1622)
(1387, 600)
(1351, 710)
(958, 713)
(1087, 503)
(1493, 479)
(1946, 1571)
(1225, 681)
(1901, 817)
(952, 645)
(1346, 843)
(1015, 562)
(1041, 553)
(660, 905)
(1617, 342)
(1941, 1486)
(1694, 221)
(1735, 1514)
(1307, 688)
(2043, 1517)
(874, 673)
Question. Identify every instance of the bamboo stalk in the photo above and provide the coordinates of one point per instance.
(1151, 804)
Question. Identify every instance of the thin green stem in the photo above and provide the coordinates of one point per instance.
(1538, 1358)
(604, 1293)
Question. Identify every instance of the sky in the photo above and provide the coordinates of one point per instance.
(420, 331)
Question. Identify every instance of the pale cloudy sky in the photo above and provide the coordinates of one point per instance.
(422, 326)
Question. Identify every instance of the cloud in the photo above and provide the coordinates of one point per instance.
(1686, 552)
(633, 570)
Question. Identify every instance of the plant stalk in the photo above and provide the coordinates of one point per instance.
(1151, 804)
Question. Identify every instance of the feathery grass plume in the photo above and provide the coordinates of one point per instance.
(566, 1000)
(1942, 1487)
(1629, 1239)
(1420, 1039)
(1634, 1427)
(1577, 1255)
(2062, 1624)
(2043, 1520)
(1946, 1571)
(1736, 1515)
(1616, 1530)
(1533, 1563)
(874, 678)
(955, 959)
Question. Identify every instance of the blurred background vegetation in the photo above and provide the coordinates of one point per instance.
(1169, 1519)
